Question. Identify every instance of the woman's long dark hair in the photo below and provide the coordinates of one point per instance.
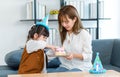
(70, 12)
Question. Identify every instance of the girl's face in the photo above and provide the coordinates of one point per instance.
(68, 23)
(41, 37)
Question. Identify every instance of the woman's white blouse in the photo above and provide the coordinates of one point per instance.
(79, 44)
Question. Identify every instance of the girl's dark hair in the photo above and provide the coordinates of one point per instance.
(39, 29)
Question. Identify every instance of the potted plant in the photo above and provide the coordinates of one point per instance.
(54, 14)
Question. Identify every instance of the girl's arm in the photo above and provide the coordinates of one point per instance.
(51, 47)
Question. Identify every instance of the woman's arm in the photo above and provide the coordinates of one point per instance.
(87, 46)
(72, 55)
(86, 51)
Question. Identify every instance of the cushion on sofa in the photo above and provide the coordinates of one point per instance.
(5, 73)
(116, 53)
(5, 67)
(104, 47)
(111, 67)
(13, 58)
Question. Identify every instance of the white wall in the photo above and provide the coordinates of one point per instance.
(110, 28)
(118, 17)
(13, 32)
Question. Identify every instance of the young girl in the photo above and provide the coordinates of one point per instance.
(33, 58)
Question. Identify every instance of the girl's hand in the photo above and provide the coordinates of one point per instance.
(52, 47)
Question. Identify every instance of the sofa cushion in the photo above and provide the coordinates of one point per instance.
(13, 58)
(5, 73)
(116, 53)
(5, 67)
(111, 67)
(104, 47)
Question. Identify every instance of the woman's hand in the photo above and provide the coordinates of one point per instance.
(73, 55)
(69, 57)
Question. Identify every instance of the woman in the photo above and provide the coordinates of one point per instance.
(75, 40)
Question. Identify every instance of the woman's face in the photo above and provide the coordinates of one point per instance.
(68, 23)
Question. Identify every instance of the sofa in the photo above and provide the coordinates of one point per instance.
(109, 50)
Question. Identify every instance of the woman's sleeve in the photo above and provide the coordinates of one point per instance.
(87, 46)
